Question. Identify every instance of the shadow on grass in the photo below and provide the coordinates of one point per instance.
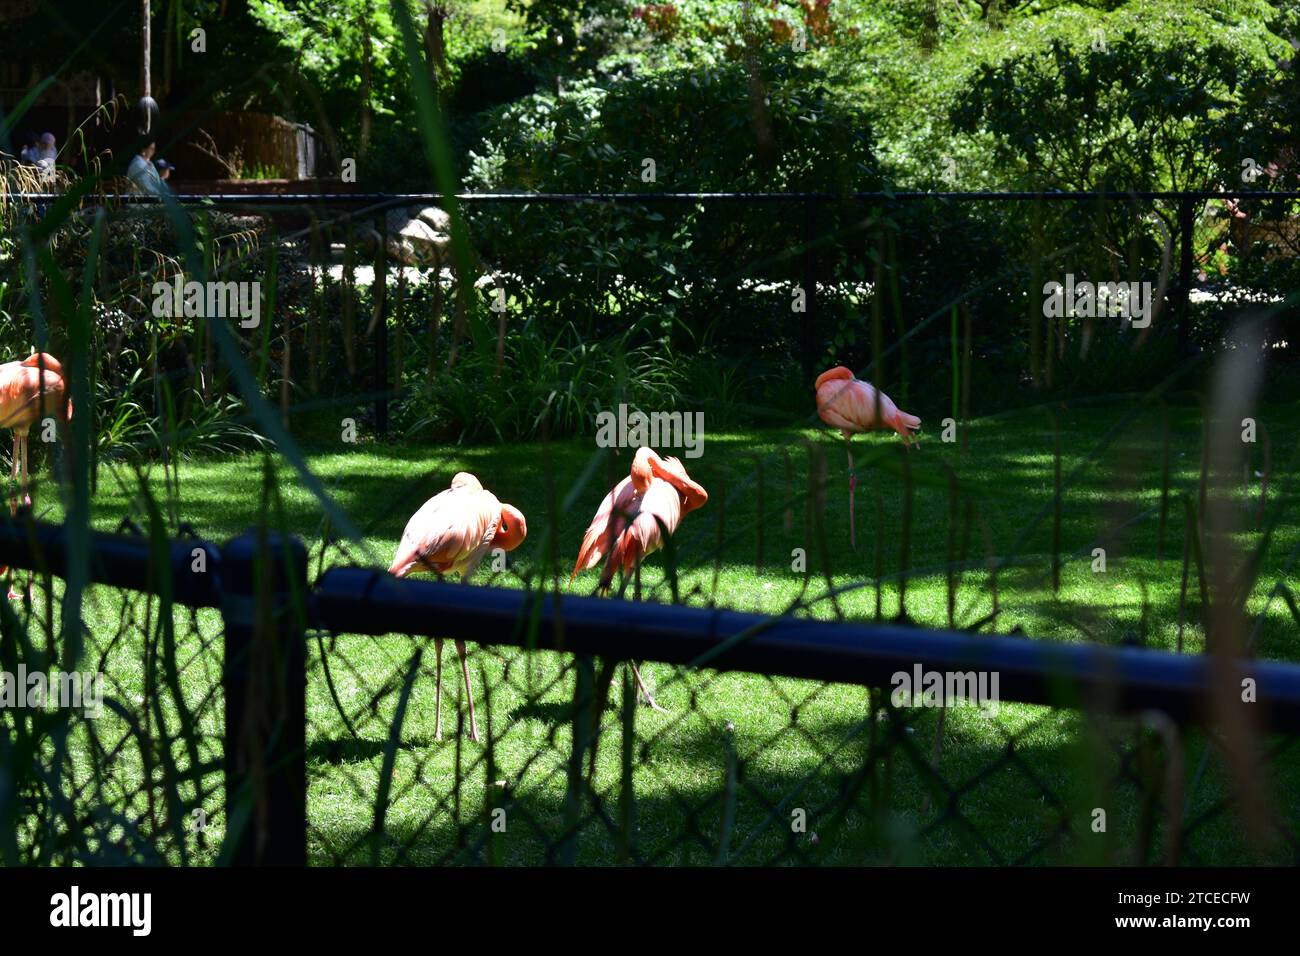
(993, 809)
(341, 750)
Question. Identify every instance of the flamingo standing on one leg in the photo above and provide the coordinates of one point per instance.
(451, 533)
(633, 519)
(30, 391)
(851, 404)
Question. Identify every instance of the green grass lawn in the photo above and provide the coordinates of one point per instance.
(737, 755)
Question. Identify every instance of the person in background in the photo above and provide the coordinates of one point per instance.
(46, 150)
(143, 173)
(164, 169)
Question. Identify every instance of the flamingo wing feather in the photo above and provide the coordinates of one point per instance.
(612, 513)
(451, 531)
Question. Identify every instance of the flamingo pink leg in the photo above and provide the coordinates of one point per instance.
(13, 474)
(13, 504)
(27, 498)
(645, 690)
(437, 693)
(469, 693)
(853, 484)
(19, 472)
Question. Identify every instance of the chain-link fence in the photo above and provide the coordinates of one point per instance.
(739, 766)
(112, 738)
(761, 769)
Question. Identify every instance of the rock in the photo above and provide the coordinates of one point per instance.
(437, 218)
(417, 236)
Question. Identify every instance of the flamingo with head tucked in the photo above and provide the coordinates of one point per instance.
(853, 405)
(634, 518)
(451, 534)
(30, 391)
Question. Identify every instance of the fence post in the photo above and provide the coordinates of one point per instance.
(380, 290)
(809, 343)
(264, 589)
(1186, 222)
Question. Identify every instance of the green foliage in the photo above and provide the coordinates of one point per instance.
(346, 74)
(546, 384)
(651, 267)
(774, 125)
(1130, 115)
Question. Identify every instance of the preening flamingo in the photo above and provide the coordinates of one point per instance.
(451, 533)
(633, 518)
(30, 391)
(851, 405)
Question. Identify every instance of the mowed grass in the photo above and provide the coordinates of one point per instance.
(739, 758)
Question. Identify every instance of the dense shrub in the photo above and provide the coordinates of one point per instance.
(680, 270)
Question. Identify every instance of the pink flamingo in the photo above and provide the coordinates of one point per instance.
(30, 391)
(451, 533)
(633, 518)
(851, 405)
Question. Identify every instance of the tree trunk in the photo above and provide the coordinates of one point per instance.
(366, 66)
(435, 39)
